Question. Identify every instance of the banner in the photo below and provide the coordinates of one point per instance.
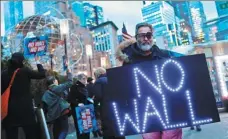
(65, 63)
(158, 95)
(35, 46)
(86, 119)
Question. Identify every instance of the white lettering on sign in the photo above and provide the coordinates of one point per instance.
(36, 46)
(162, 117)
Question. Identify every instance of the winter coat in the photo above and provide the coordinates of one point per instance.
(20, 109)
(135, 55)
(98, 88)
(129, 53)
(89, 87)
(53, 100)
(78, 94)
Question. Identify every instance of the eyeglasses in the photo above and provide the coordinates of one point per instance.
(148, 35)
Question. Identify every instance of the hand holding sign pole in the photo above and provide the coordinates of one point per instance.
(64, 29)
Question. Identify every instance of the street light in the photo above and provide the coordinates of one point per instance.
(89, 53)
(51, 56)
(64, 30)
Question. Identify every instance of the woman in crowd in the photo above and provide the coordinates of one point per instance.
(78, 97)
(56, 108)
(20, 106)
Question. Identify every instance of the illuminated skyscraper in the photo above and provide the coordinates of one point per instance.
(198, 18)
(161, 16)
(93, 15)
(77, 7)
(13, 13)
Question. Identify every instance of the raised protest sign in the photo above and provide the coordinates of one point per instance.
(158, 95)
(86, 119)
(35, 46)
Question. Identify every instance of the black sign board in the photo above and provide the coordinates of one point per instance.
(158, 95)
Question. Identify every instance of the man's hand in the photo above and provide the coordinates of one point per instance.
(37, 59)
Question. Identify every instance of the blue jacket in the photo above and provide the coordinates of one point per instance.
(136, 55)
(53, 100)
(98, 87)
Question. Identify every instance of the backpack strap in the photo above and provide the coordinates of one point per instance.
(14, 74)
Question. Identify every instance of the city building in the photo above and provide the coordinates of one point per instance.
(198, 18)
(161, 16)
(53, 8)
(186, 35)
(222, 7)
(42, 7)
(105, 39)
(93, 15)
(77, 8)
(217, 28)
(182, 11)
(13, 13)
(120, 38)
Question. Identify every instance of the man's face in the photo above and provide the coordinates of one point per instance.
(145, 38)
(56, 82)
(83, 80)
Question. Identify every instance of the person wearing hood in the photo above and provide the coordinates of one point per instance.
(140, 49)
(56, 108)
(78, 97)
(21, 111)
(98, 89)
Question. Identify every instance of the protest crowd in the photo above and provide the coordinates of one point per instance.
(60, 100)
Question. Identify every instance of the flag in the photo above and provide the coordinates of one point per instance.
(125, 35)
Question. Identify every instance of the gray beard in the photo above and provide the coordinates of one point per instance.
(145, 47)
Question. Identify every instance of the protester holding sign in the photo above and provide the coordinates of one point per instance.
(142, 49)
(56, 107)
(20, 105)
(78, 97)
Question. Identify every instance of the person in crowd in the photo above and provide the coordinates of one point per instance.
(21, 111)
(98, 89)
(56, 108)
(78, 97)
(139, 49)
(198, 128)
(101, 81)
(89, 86)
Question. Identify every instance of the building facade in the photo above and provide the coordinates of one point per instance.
(13, 13)
(105, 39)
(222, 7)
(77, 8)
(182, 11)
(93, 15)
(161, 16)
(217, 28)
(42, 7)
(186, 35)
(198, 18)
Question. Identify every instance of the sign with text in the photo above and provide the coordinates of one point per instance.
(35, 46)
(158, 95)
(86, 119)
